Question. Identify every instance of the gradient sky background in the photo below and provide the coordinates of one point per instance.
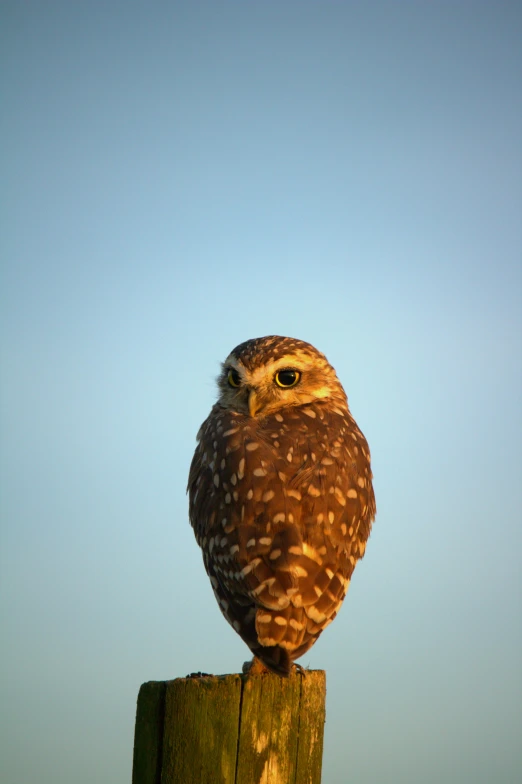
(177, 178)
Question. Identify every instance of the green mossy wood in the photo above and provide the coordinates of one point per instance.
(231, 729)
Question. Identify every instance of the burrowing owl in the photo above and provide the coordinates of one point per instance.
(281, 497)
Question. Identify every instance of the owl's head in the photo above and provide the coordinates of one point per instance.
(263, 375)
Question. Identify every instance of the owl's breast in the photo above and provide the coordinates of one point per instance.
(306, 466)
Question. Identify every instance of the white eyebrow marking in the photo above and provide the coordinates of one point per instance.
(299, 362)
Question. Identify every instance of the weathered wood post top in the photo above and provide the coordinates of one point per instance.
(231, 729)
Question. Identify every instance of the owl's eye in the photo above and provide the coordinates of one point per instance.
(234, 379)
(287, 378)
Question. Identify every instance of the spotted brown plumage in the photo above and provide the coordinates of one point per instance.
(281, 497)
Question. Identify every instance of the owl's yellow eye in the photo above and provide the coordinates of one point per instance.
(234, 379)
(287, 378)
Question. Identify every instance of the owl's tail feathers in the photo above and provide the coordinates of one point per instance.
(274, 658)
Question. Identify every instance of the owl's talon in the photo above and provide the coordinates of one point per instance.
(255, 667)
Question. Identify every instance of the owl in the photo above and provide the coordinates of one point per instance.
(280, 496)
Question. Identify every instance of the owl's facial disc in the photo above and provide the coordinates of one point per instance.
(290, 380)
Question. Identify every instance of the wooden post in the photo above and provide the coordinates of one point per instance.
(231, 729)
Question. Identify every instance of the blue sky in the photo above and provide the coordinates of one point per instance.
(177, 178)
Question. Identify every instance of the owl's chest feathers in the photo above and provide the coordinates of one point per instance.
(277, 447)
(288, 465)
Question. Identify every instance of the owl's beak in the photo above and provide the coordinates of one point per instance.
(253, 403)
